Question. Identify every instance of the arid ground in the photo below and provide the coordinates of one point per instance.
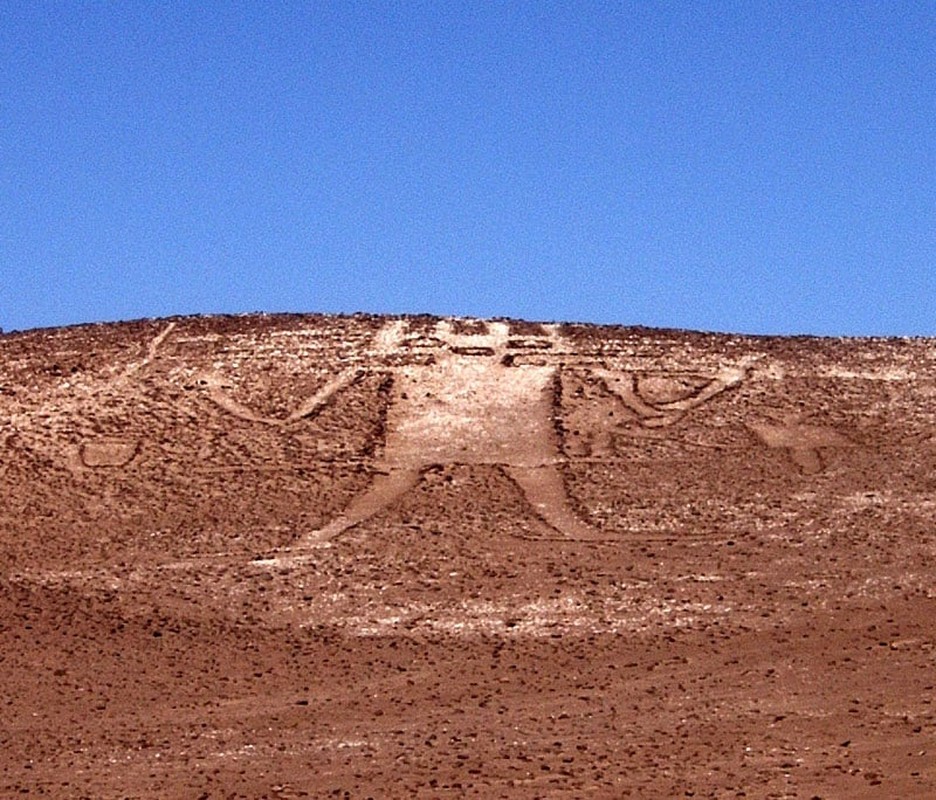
(305, 556)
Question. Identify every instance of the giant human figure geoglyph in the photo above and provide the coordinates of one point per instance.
(479, 398)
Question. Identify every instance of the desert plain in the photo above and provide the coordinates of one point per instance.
(282, 556)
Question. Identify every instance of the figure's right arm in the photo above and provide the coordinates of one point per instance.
(320, 399)
(216, 392)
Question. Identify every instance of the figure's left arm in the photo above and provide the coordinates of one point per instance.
(727, 378)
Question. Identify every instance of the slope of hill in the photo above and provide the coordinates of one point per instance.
(285, 556)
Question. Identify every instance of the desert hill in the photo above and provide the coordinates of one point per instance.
(296, 555)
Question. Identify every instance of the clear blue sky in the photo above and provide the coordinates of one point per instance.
(760, 167)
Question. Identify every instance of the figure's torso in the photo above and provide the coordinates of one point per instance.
(466, 411)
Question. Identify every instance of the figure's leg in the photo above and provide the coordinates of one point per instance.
(545, 491)
(386, 488)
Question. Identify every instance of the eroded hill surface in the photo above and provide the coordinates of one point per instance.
(285, 556)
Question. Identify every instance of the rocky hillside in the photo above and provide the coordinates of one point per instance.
(286, 555)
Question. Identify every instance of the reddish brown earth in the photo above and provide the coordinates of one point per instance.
(301, 556)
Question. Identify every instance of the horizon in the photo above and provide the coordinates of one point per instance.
(661, 329)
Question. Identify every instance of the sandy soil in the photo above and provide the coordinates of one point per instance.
(303, 556)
